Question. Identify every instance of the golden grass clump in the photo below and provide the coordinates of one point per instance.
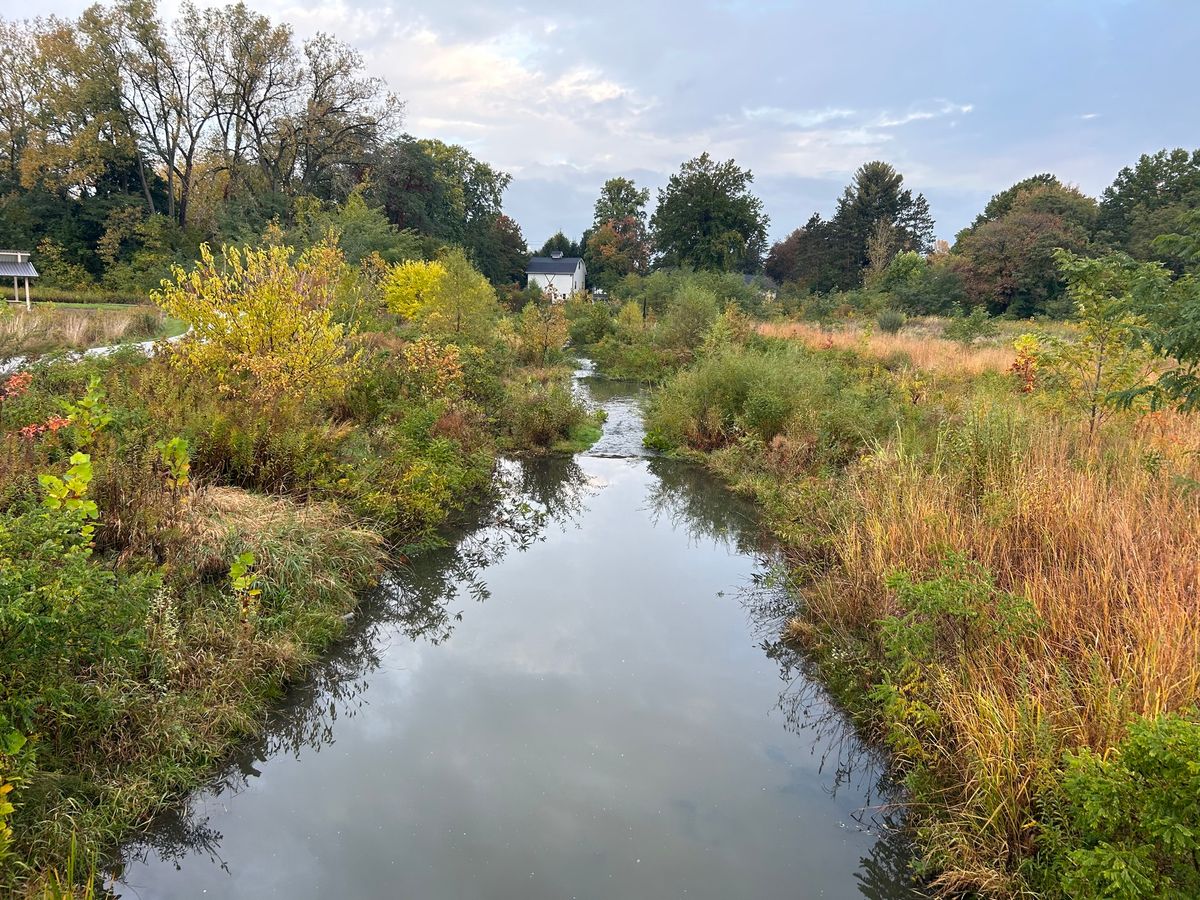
(1102, 538)
(46, 328)
(927, 351)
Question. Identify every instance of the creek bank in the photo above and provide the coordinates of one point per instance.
(959, 584)
(594, 705)
(146, 637)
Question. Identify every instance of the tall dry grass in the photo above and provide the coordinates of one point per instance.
(927, 351)
(1104, 540)
(45, 328)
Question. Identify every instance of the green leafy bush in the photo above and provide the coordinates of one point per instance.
(956, 612)
(784, 392)
(540, 414)
(968, 328)
(1127, 825)
(589, 323)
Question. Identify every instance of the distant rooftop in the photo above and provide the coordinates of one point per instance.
(16, 264)
(552, 265)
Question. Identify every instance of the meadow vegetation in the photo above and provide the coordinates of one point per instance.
(48, 328)
(181, 533)
(981, 457)
(656, 324)
(995, 552)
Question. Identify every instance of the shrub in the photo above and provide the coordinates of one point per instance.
(589, 322)
(262, 319)
(1127, 825)
(538, 414)
(543, 332)
(410, 285)
(751, 393)
(449, 298)
(956, 612)
(687, 319)
(890, 321)
(966, 329)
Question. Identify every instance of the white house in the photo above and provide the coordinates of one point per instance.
(558, 276)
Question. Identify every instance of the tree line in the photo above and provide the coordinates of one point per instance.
(880, 238)
(126, 141)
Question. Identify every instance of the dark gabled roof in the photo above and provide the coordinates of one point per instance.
(548, 265)
(17, 270)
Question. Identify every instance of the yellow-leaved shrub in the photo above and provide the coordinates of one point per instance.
(262, 319)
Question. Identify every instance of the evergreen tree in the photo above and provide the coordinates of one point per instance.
(877, 195)
(560, 243)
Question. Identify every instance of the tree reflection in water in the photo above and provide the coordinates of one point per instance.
(691, 499)
(414, 600)
(421, 602)
(419, 598)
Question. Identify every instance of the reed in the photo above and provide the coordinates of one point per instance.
(1105, 544)
(46, 328)
(1075, 629)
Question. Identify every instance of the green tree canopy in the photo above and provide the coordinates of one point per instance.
(618, 243)
(876, 218)
(615, 249)
(806, 257)
(707, 218)
(1001, 204)
(876, 204)
(360, 229)
(559, 242)
(620, 199)
(1151, 198)
(502, 255)
(1007, 262)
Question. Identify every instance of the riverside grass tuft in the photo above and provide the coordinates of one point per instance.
(1055, 573)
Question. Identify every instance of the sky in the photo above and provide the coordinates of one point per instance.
(963, 98)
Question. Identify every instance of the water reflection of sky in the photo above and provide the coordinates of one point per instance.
(594, 715)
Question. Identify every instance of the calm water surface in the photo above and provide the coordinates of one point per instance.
(581, 699)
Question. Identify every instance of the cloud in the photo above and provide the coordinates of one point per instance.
(802, 118)
(941, 109)
(589, 85)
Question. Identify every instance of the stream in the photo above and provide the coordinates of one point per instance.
(582, 697)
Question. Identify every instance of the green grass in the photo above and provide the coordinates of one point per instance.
(64, 295)
(581, 437)
(173, 327)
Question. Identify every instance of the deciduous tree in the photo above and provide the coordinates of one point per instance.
(620, 199)
(707, 218)
(617, 248)
(543, 331)
(262, 320)
(1007, 263)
